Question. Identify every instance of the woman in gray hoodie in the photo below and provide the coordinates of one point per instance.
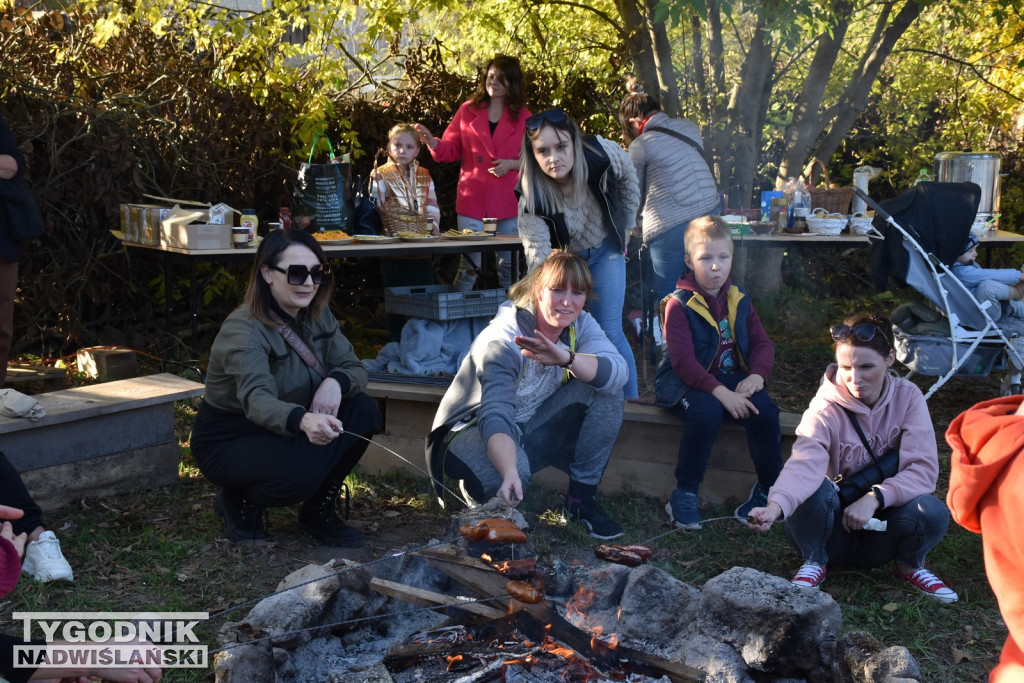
(542, 385)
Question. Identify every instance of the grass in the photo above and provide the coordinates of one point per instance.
(163, 550)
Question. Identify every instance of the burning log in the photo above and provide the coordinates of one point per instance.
(418, 596)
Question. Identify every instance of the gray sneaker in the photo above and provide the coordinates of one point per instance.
(683, 509)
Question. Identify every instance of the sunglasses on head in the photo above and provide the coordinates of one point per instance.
(549, 116)
(297, 274)
(864, 332)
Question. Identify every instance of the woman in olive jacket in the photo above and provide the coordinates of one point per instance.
(284, 419)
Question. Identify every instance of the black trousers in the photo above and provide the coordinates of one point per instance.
(14, 493)
(274, 470)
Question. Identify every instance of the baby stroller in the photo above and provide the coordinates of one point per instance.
(924, 230)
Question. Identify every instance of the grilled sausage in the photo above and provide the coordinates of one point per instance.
(524, 592)
(615, 554)
(506, 534)
(643, 551)
(478, 532)
(517, 569)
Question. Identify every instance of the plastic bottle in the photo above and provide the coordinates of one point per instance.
(250, 222)
(801, 208)
(923, 176)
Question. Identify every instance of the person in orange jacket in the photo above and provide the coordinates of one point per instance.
(986, 496)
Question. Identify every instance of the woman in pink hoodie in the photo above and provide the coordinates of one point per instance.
(892, 414)
(986, 495)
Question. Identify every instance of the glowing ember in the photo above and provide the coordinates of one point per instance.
(485, 557)
(455, 659)
(551, 647)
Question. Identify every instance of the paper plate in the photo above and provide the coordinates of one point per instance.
(376, 239)
(335, 243)
(476, 236)
(424, 238)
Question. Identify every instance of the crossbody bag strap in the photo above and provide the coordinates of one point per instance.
(863, 439)
(293, 340)
(679, 136)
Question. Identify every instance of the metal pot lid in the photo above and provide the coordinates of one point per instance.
(941, 156)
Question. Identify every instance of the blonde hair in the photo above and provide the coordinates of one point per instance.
(560, 269)
(706, 229)
(541, 194)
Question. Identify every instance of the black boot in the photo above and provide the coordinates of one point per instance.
(319, 518)
(243, 521)
(581, 507)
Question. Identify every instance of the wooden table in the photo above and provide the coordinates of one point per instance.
(988, 241)
(350, 250)
(992, 238)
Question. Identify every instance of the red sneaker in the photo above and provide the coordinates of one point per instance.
(929, 584)
(810, 575)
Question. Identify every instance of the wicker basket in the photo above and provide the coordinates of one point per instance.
(831, 224)
(398, 219)
(833, 200)
(860, 224)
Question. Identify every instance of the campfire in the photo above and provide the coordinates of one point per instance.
(471, 609)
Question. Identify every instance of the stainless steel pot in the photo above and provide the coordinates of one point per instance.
(976, 167)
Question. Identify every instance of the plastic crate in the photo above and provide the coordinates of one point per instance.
(440, 302)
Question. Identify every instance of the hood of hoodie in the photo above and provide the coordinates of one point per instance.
(834, 391)
(985, 440)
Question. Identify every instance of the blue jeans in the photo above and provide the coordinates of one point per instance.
(703, 415)
(574, 430)
(466, 277)
(608, 269)
(816, 530)
(668, 259)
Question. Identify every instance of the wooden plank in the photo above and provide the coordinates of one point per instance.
(419, 596)
(471, 572)
(142, 468)
(68, 405)
(89, 438)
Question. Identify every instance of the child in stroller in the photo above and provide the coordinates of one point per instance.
(1003, 288)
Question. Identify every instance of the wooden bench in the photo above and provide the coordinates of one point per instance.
(643, 460)
(99, 439)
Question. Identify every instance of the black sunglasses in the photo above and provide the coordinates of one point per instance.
(551, 116)
(297, 274)
(864, 332)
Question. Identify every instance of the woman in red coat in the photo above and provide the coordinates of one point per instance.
(986, 495)
(486, 135)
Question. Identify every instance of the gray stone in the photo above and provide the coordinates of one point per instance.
(286, 616)
(719, 661)
(852, 651)
(891, 662)
(595, 601)
(655, 606)
(778, 628)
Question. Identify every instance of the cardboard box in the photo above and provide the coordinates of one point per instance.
(143, 224)
(183, 231)
(222, 214)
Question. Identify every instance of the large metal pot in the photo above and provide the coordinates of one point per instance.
(976, 167)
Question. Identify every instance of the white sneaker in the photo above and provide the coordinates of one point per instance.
(44, 561)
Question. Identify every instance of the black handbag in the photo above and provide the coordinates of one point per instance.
(24, 221)
(852, 488)
(322, 198)
(366, 219)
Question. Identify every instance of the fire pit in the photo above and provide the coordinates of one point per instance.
(440, 613)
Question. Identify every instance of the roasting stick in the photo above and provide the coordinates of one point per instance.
(679, 528)
(351, 567)
(372, 617)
